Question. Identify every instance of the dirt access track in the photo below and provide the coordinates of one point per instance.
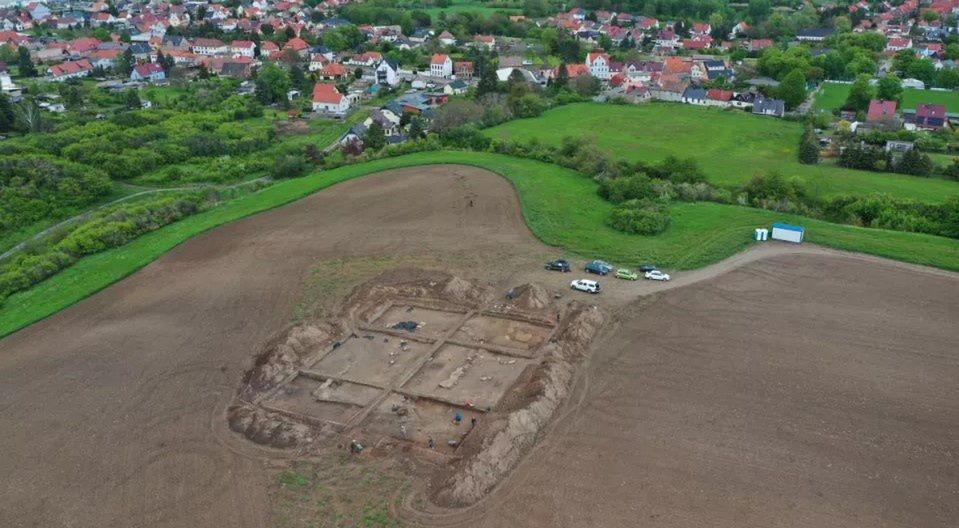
(788, 387)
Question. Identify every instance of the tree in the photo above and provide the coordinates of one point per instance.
(488, 81)
(272, 83)
(416, 128)
(562, 77)
(860, 94)
(7, 119)
(165, 61)
(131, 99)
(889, 88)
(922, 69)
(298, 78)
(915, 163)
(792, 89)
(124, 63)
(808, 147)
(585, 85)
(948, 78)
(375, 137)
(25, 63)
(72, 98)
(29, 117)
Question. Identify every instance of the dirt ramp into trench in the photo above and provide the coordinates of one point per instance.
(445, 372)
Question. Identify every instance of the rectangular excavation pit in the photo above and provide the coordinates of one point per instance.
(502, 332)
(467, 376)
(432, 323)
(423, 419)
(379, 360)
(329, 401)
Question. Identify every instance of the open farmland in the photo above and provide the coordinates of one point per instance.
(834, 95)
(730, 146)
(775, 385)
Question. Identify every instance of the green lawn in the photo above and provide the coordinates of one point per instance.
(471, 6)
(833, 95)
(560, 206)
(730, 146)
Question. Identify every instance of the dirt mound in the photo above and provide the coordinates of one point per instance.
(285, 353)
(266, 428)
(530, 297)
(412, 283)
(504, 448)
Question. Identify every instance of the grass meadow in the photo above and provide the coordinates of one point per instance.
(730, 146)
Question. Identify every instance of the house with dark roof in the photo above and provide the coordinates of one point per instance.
(930, 116)
(694, 95)
(769, 107)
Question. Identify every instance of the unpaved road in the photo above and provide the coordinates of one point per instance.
(693, 412)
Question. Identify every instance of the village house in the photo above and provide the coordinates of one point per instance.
(329, 100)
(208, 47)
(148, 72)
(387, 73)
(881, 115)
(463, 69)
(243, 48)
(769, 107)
(598, 64)
(928, 117)
(70, 70)
(441, 66)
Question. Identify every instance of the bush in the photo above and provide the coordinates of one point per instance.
(636, 187)
(289, 166)
(641, 217)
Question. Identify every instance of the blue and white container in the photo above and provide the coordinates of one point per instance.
(788, 233)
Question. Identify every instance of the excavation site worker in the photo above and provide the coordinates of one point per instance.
(457, 418)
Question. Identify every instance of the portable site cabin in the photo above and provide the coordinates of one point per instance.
(788, 233)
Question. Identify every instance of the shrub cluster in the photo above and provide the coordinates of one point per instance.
(107, 229)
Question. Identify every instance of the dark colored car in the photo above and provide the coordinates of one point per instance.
(598, 267)
(558, 265)
(646, 267)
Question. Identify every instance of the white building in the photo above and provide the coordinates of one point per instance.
(327, 99)
(598, 64)
(388, 73)
(441, 66)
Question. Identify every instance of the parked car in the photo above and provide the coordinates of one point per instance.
(624, 273)
(598, 267)
(643, 268)
(657, 275)
(585, 285)
(558, 265)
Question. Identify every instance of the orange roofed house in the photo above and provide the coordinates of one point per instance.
(327, 99)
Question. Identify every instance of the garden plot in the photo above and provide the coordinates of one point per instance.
(329, 401)
(372, 358)
(467, 376)
(431, 323)
(502, 332)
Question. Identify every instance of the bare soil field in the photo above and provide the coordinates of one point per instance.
(795, 391)
(786, 386)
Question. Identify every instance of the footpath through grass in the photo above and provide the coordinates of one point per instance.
(560, 206)
(730, 146)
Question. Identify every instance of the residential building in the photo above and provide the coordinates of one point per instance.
(70, 70)
(148, 72)
(769, 107)
(388, 73)
(329, 100)
(441, 65)
(598, 64)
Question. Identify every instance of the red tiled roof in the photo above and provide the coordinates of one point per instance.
(326, 93)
